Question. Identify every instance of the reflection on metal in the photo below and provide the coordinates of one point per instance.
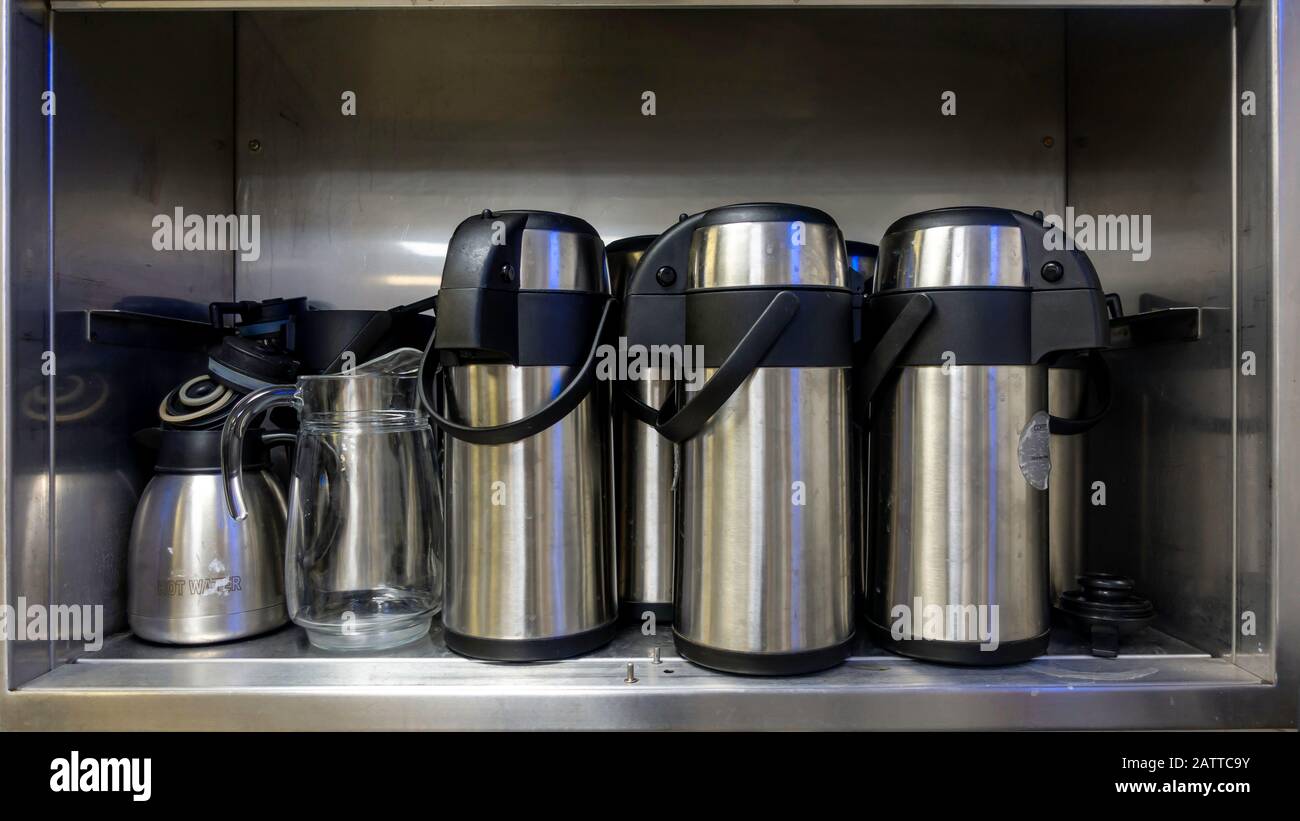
(1266, 530)
(25, 315)
(122, 159)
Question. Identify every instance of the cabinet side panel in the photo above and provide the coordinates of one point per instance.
(27, 334)
(1150, 119)
(144, 127)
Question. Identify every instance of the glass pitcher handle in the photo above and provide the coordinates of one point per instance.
(232, 440)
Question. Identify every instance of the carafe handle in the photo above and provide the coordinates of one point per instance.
(691, 416)
(889, 349)
(558, 408)
(232, 440)
(1098, 376)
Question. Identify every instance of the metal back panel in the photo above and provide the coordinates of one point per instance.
(469, 109)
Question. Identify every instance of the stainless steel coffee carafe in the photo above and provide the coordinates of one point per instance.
(763, 579)
(960, 429)
(196, 575)
(523, 305)
(644, 487)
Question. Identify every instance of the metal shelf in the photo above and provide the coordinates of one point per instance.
(281, 681)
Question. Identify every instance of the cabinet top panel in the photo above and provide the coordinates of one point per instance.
(252, 5)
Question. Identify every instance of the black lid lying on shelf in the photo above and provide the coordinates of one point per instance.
(1104, 608)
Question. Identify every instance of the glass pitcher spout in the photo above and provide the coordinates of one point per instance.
(232, 440)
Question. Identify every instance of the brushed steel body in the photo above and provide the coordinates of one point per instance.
(646, 520)
(197, 576)
(645, 512)
(562, 261)
(954, 520)
(1068, 492)
(755, 254)
(767, 564)
(529, 548)
(952, 256)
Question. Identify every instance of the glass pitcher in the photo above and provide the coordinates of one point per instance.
(361, 568)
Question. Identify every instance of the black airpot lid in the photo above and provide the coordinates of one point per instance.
(199, 451)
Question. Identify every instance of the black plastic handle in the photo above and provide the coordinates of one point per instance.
(890, 348)
(632, 404)
(555, 410)
(692, 416)
(1098, 375)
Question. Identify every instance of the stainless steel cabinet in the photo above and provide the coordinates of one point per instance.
(1183, 111)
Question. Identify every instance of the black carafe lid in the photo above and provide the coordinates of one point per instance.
(250, 318)
(500, 302)
(1105, 608)
(323, 337)
(695, 289)
(199, 451)
(995, 304)
(198, 403)
(243, 364)
(259, 352)
(623, 255)
(991, 286)
(527, 288)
